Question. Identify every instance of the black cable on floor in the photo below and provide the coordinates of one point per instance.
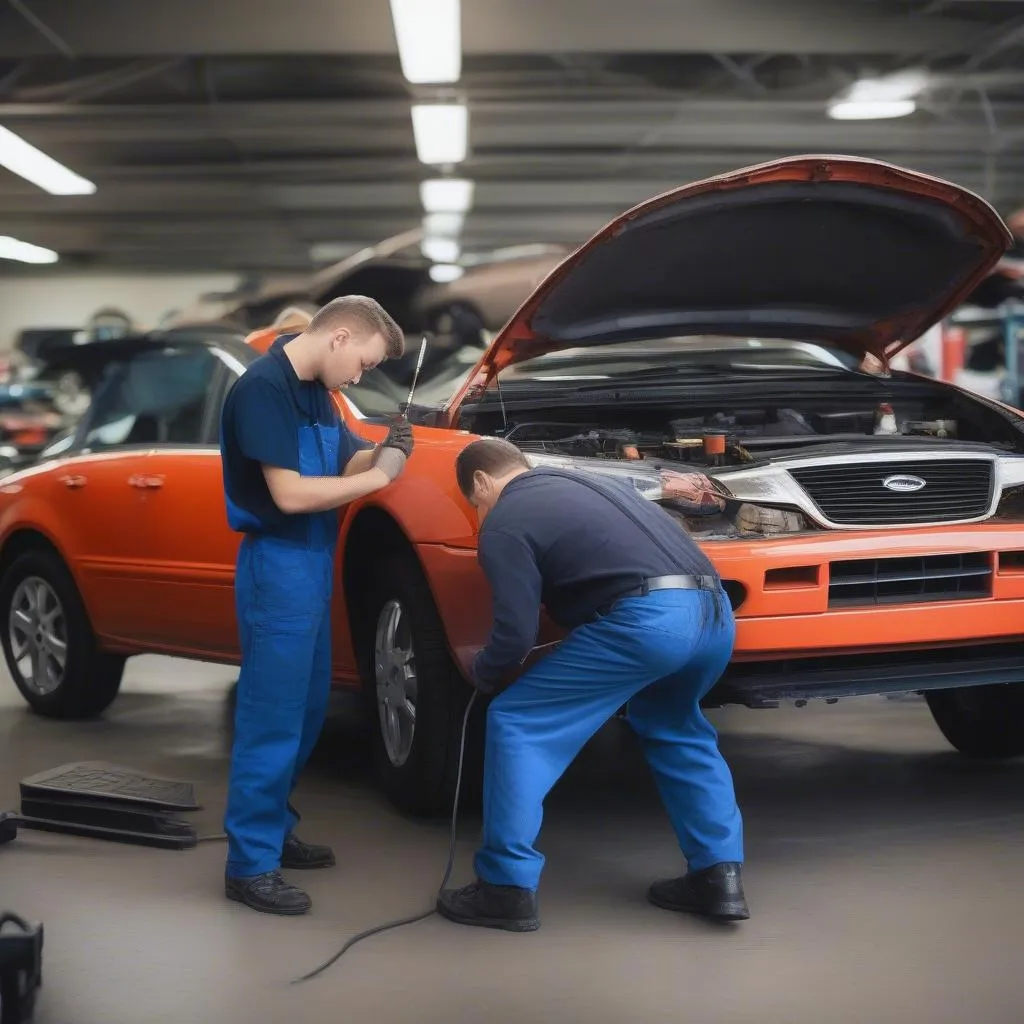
(401, 922)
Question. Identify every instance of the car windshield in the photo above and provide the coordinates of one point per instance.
(681, 356)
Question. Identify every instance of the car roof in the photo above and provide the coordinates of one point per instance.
(96, 354)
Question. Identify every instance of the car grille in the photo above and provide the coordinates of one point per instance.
(909, 580)
(853, 494)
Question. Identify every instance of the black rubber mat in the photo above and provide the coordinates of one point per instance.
(104, 814)
(172, 834)
(111, 782)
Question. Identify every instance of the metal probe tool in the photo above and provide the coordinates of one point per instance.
(416, 376)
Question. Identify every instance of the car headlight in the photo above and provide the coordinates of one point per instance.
(646, 482)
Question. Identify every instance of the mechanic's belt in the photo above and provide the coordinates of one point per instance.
(663, 583)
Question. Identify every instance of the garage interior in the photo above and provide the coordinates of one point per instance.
(224, 161)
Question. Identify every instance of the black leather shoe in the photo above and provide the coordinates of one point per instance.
(715, 892)
(297, 854)
(269, 893)
(490, 906)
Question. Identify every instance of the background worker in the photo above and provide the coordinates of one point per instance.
(289, 464)
(649, 626)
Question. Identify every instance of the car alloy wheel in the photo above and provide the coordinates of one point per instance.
(38, 635)
(396, 682)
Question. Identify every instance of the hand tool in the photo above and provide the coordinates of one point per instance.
(415, 376)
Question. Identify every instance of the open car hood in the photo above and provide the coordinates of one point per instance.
(840, 250)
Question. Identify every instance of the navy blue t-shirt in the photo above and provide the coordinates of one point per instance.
(271, 417)
(572, 542)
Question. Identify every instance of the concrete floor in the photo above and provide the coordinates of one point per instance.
(885, 877)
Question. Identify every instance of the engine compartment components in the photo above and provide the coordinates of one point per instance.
(718, 439)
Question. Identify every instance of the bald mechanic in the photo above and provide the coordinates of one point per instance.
(289, 464)
(649, 626)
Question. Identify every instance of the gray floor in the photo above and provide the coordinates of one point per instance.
(885, 875)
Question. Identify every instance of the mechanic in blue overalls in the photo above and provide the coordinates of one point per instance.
(650, 627)
(289, 464)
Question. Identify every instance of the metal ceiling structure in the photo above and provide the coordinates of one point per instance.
(275, 135)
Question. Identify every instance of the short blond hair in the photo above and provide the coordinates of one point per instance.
(367, 312)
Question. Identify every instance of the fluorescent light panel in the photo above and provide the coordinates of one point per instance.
(870, 110)
(24, 252)
(35, 166)
(871, 99)
(444, 273)
(440, 250)
(429, 37)
(446, 195)
(443, 225)
(441, 131)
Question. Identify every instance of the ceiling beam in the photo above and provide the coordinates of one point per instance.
(251, 27)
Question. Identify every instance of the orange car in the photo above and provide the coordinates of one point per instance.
(870, 525)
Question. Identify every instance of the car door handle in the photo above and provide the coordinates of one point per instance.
(146, 482)
(72, 482)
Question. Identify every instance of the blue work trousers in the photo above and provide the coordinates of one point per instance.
(283, 601)
(659, 654)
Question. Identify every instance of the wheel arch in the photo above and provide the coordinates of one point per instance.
(28, 538)
(374, 533)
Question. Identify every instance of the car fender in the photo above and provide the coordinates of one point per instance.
(30, 513)
(425, 500)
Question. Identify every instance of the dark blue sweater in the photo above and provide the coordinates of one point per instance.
(552, 539)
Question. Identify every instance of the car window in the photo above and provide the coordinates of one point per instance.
(157, 397)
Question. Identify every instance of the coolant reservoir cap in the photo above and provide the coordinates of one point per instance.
(714, 442)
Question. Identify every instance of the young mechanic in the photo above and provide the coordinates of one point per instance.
(650, 626)
(289, 464)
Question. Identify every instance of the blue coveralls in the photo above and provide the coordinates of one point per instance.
(549, 538)
(283, 585)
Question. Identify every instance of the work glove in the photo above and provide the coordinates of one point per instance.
(391, 461)
(400, 437)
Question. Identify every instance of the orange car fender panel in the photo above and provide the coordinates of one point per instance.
(463, 598)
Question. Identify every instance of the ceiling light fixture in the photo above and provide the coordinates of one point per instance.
(444, 273)
(441, 131)
(440, 250)
(35, 166)
(429, 37)
(873, 99)
(445, 225)
(446, 195)
(870, 110)
(25, 252)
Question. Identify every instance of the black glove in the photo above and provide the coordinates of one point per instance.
(400, 437)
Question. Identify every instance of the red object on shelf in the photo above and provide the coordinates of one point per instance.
(954, 346)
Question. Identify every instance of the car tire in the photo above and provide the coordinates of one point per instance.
(985, 722)
(89, 679)
(419, 771)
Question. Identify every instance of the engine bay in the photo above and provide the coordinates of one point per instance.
(676, 442)
(719, 439)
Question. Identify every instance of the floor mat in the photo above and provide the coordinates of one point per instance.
(111, 782)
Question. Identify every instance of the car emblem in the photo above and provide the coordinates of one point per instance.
(903, 483)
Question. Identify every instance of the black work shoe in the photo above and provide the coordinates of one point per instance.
(269, 893)
(297, 854)
(715, 892)
(490, 906)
